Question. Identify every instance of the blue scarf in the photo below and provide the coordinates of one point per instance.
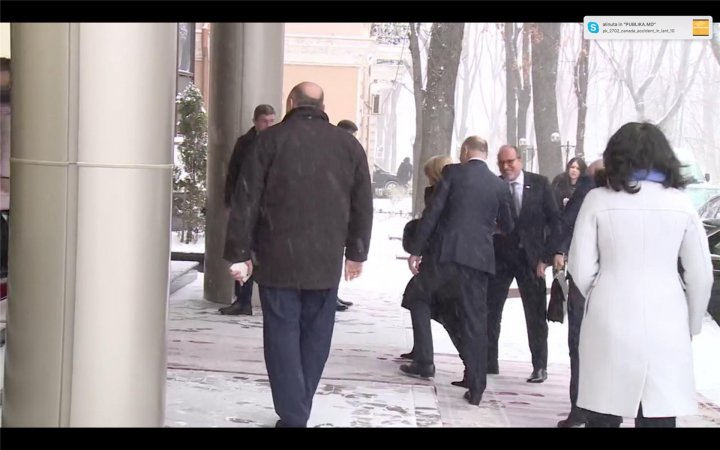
(648, 175)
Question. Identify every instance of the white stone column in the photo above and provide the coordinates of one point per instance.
(263, 60)
(246, 69)
(93, 115)
(226, 77)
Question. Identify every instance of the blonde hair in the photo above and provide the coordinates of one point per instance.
(434, 166)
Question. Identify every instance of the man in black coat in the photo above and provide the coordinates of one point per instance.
(263, 117)
(405, 172)
(523, 255)
(304, 198)
(469, 205)
(350, 127)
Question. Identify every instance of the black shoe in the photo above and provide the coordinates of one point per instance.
(473, 399)
(418, 370)
(462, 383)
(538, 376)
(410, 355)
(571, 422)
(343, 302)
(236, 309)
(340, 307)
(492, 368)
(281, 424)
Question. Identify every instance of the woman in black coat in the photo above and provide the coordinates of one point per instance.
(564, 184)
(443, 308)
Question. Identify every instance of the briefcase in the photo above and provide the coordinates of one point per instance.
(557, 307)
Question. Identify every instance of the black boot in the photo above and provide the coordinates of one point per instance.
(462, 383)
(418, 370)
(236, 309)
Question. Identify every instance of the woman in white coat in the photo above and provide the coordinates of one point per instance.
(635, 342)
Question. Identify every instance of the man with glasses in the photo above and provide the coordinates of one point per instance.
(523, 255)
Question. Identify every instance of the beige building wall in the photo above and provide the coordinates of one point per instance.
(5, 40)
(339, 83)
(328, 29)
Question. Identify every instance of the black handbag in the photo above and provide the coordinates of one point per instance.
(409, 233)
(557, 307)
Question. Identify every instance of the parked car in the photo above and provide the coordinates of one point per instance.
(712, 227)
(384, 183)
(700, 193)
(710, 214)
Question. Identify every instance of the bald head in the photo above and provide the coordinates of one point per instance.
(595, 166)
(306, 93)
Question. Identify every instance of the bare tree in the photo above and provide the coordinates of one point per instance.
(438, 107)
(626, 76)
(468, 77)
(581, 90)
(419, 93)
(493, 101)
(683, 81)
(545, 52)
(510, 33)
(522, 78)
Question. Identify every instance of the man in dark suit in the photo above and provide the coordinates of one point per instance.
(263, 117)
(523, 255)
(560, 243)
(469, 204)
(304, 198)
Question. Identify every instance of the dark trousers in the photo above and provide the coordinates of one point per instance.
(575, 312)
(297, 332)
(598, 420)
(533, 293)
(243, 294)
(473, 321)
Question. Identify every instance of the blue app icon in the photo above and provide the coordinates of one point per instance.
(593, 27)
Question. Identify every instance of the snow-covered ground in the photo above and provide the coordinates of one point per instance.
(192, 247)
(216, 374)
(513, 338)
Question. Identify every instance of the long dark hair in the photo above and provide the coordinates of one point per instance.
(640, 146)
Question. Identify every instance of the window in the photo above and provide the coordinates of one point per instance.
(376, 104)
(186, 47)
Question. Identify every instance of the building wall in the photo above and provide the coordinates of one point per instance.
(339, 83)
(5, 40)
(349, 65)
(353, 30)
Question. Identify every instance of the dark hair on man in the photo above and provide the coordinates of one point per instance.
(637, 147)
(600, 177)
(475, 143)
(4, 64)
(263, 110)
(301, 98)
(348, 125)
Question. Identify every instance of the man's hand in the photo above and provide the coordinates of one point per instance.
(353, 269)
(414, 264)
(558, 262)
(540, 272)
(242, 271)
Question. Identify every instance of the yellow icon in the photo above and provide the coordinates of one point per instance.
(701, 27)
